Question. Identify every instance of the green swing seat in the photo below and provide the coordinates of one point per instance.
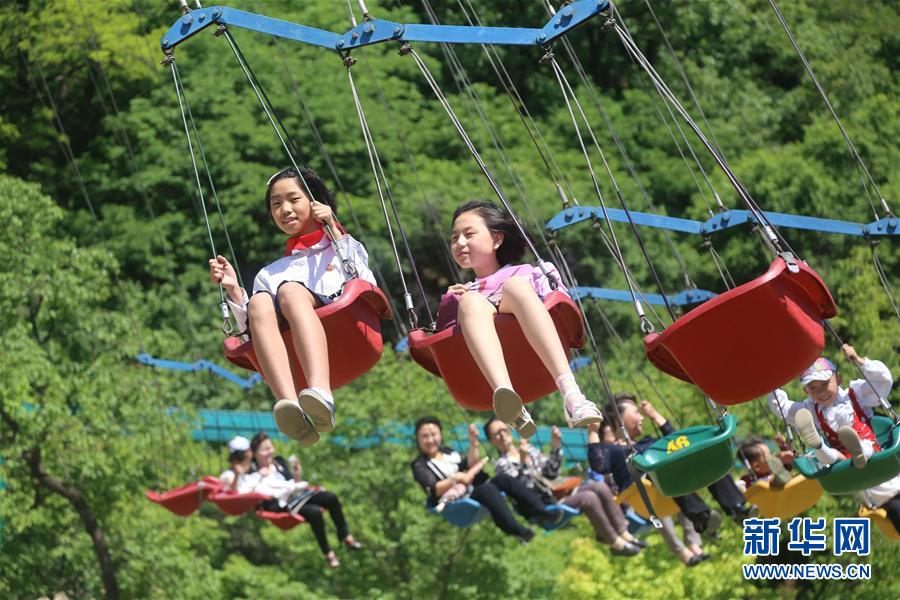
(843, 478)
(689, 459)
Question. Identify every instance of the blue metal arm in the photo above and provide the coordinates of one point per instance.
(887, 226)
(570, 216)
(200, 365)
(680, 299)
(376, 31)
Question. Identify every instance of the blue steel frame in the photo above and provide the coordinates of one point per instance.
(374, 31)
(200, 365)
(888, 226)
(683, 298)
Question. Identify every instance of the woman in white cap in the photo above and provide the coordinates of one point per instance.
(238, 476)
(844, 416)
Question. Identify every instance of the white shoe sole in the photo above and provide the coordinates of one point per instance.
(292, 422)
(321, 414)
(526, 427)
(507, 405)
(806, 427)
(583, 421)
(850, 440)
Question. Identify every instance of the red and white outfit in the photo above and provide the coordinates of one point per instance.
(852, 407)
(309, 259)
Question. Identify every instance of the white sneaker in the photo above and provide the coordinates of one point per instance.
(293, 422)
(583, 413)
(507, 405)
(850, 439)
(319, 409)
(806, 427)
(525, 424)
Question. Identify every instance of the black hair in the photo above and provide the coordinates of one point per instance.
(428, 421)
(317, 187)
(498, 221)
(620, 401)
(487, 426)
(237, 456)
(258, 439)
(750, 449)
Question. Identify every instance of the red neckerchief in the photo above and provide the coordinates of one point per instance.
(308, 240)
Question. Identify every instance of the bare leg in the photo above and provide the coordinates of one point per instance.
(520, 299)
(269, 347)
(299, 309)
(476, 319)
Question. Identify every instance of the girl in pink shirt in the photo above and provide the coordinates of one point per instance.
(486, 239)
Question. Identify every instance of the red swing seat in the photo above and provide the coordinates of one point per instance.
(446, 355)
(186, 499)
(352, 326)
(282, 520)
(751, 339)
(235, 504)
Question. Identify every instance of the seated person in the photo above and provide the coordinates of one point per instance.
(536, 470)
(612, 458)
(292, 494)
(238, 477)
(844, 416)
(763, 465)
(440, 470)
(689, 551)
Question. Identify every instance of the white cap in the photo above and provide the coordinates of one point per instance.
(238, 444)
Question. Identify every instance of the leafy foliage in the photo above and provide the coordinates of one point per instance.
(105, 249)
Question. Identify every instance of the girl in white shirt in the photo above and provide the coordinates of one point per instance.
(309, 275)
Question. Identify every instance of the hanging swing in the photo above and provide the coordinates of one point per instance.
(796, 497)
(284, 521)
(843, 478)
(185, 500)
(352, 325)
(880, 518)
(663, 506)
(774, 331)
(768, 330)
(235, 504)
(467, 512)
(689, 459)
(352, 322)
(445, 354)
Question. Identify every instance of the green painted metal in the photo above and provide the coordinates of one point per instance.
(844, 478)
(689, 459)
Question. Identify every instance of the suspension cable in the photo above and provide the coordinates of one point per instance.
(407, 49)
(854, 153)
(569, 93)
(384, 190)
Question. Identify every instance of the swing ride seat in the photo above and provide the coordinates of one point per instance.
(352, 326)
(445, 354)
(461, 513)
(750, 340)
(796, 497)
(880, 518)
(567, 511)
(282, 520)
(234, 504)
(663, 506)
(689, 459)
(843, 478)
(186, 499)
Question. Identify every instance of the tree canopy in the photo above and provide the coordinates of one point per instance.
(106, 247)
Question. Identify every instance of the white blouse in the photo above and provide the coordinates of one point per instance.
(317, 267)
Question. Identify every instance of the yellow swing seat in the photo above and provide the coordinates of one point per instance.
(797, 496)
(879, 517)
(663, 506)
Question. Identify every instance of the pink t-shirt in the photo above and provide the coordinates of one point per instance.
(491, 287)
